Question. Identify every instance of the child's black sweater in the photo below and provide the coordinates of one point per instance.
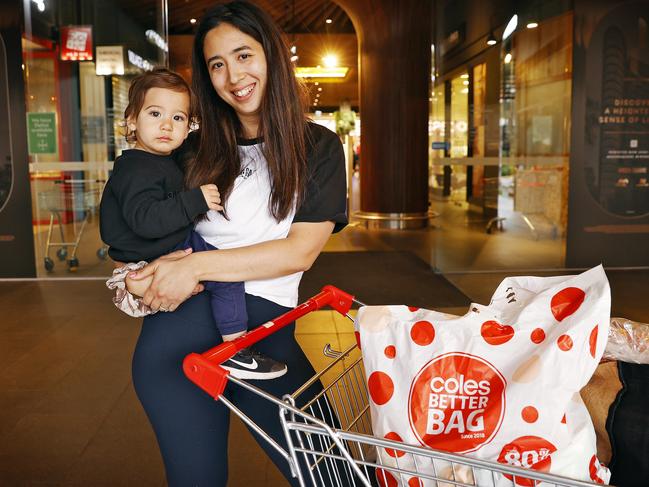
(144, 212)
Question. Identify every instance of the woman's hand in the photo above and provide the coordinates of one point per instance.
(173, 281)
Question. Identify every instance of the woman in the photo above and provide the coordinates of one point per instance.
(282, 181)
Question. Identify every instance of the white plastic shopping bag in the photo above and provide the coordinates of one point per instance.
(500, 383)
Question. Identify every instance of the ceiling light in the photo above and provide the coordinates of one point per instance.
(192, 21)
(511, 27)
(294, 58)
(293, 49)
(328, 21)
(330, 61)
(465, 83)
(317, 83)
(532, 25)
(491, 40)
(464, 76)
(320, 89)
(508, 58)
(311, 73)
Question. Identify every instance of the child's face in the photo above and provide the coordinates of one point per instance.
(163, 122)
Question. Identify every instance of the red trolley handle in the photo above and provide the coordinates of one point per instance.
(205, 369)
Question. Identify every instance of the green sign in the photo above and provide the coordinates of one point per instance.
(41, 132)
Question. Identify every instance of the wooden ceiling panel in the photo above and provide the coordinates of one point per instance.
(303, 20)
(294, 16)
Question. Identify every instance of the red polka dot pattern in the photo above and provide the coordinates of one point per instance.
(358, 339)
(592, 341)
(415, 482)
(530, 414)
(413, 308)
(381, 387)
(391, 451)
(563, 420)
(390, 351)
(564, 342)
(566, 302)
(537, 336)
(422, 333)
(385, 478)
(495, 333)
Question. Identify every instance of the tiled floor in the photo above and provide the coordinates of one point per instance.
(69, 415)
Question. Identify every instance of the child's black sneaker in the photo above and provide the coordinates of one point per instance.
(250, 364)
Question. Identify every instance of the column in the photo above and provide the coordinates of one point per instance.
(395, 61)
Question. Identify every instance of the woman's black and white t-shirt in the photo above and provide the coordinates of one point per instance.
(250, 220)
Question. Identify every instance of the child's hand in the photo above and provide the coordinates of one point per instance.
(212, 196)
(138, 288)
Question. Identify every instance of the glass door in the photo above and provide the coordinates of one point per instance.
(78, 64)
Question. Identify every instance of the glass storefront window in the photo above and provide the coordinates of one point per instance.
(78, 64)
(504, 172)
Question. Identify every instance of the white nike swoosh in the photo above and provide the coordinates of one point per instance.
(251, 366)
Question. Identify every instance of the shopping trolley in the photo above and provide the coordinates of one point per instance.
(69, 195)
(329, 439)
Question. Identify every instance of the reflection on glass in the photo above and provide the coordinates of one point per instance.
(459, 134)
(460, 116)
(6, 170)
(436, 131)
(535, 125)
(478, 139)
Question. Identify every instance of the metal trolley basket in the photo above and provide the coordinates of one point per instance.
(329, 439)
(70, 195)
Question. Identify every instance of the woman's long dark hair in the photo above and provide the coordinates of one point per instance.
(283, 123)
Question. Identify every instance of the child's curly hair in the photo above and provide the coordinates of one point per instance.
(157, 78)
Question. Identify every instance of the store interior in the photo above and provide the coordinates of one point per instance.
(499, 145)
(490, 189)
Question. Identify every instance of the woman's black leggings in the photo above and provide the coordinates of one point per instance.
(192, 428)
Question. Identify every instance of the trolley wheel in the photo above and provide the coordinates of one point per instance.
(73, 264)
(102, 253)
(48, 263)
(62, 253)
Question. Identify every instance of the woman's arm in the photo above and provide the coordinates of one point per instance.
(173, 280)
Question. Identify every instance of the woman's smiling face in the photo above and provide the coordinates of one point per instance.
(237, 66)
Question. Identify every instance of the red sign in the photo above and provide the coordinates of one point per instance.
(457, 402)
(76, 43)
(529, 452)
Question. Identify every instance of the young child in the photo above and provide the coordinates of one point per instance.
(146, 213)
